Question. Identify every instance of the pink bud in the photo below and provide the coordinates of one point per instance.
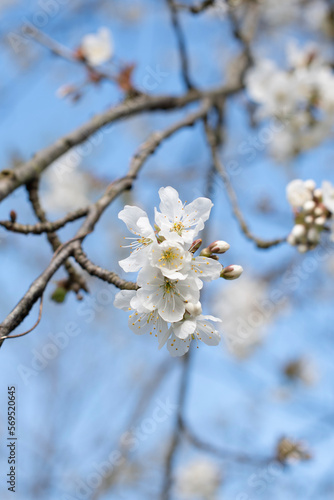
(231, 272)
(195, 246)
(219, 247)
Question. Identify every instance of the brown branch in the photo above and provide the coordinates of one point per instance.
(196, 9)
(223, 454)
(44, 227)
(177, 432)
(221, 171)
(103, 274)
(156, 138)
(76, 281)
(65, 53)
(30, 329)
(181, 44)
(11, 179)
(36, 289)
(147, 149)
(94, 213)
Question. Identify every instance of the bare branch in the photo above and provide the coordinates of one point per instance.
(223, 454)
(76, 281)
(177, 432)
(36, 289)
(44, 227)
(181, 45)
(196, 9)
(103, 274)
(11, 179)
(220, 169)
(156, 138)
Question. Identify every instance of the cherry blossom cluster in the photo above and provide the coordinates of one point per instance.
(167, 302)
(313, 207)
(299, 98)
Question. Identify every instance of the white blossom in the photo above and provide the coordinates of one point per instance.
(98, 48)
(143, 320)
(172, 260)
(328, 196)
(167, 301)
(199, 479)
(312, 208)
(167, 296)
(138, 224)
(297, 193)
(181, 222)
(192, 328)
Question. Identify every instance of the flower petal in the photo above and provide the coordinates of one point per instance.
(123, 298)
(178, 347)
(130, 215)
(170, 205)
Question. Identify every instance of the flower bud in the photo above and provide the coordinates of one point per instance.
(195, 246)
(231, 272)
(302, 248)
(206, 252)
(12, 215)
(194, 309)
(298, 231)
(319, 210)
(219, 247)
(320, 221)
(312, 235)
(310, 184)
(309, 206)
(309, 219)
(318, 193)
(291, 239)
(65, 90)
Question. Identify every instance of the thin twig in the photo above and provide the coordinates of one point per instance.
(177, 431)
(76, 280)
(31, 329)
(103, 274)
(223, 454)
(196, 9)
(11, 179)
(221, 171)
(181, 45)
(65, 53)
(44, 227)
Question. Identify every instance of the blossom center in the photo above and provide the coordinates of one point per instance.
(177, 227)
(168, 257)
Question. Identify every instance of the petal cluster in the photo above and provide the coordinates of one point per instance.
(299, 99)
(313, 208)
(170, 279)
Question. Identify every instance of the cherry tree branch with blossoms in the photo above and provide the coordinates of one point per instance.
(288, 104)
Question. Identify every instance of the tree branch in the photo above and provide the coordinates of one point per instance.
(36, 289)
(221, 171)
(44, 227)
(196, 9)
(103, 274)
(177, 432)
(181, 45)
(11, 179)
(76, 281)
